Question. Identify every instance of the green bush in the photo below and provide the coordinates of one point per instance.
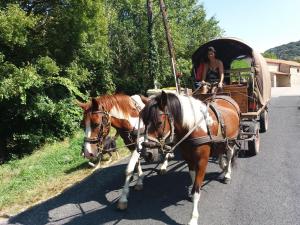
(53, 52)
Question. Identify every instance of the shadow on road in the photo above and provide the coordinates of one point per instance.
(93, 201)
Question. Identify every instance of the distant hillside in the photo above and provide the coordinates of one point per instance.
(290, 51)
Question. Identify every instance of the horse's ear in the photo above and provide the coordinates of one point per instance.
(144, 99)
(163, 100)
(95, 104)
(82, 105)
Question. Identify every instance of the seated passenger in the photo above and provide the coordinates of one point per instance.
(213, 70)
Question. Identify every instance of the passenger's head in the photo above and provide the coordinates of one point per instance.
(211, 52)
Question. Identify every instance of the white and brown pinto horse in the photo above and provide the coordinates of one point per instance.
(122, 112)
(198, 132)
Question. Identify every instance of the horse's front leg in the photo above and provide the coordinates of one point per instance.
(200, 169)
(223, 162)
(139, 183)
(228, 168)
(163, 168)
(123, 201)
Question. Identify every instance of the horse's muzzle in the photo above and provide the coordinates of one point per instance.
(150, 152)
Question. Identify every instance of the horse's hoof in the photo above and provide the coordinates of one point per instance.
(162, 172)
(193, 222)
(226, 180)
(122, 205)
(171, 156)
(138, 187)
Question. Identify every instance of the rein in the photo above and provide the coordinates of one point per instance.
(161, 143)
(188, 134)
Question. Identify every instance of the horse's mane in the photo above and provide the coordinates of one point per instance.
(120, 101)
(151, 109)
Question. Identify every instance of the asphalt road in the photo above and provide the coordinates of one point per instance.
(265, 189)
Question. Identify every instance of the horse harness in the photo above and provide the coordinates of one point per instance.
(221, 134)
(165, 147)
(136, 104)
(210, 138)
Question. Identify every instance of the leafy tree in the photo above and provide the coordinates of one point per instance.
(15, 26)
(189, 29)
(130, 45)
(55, 51)
(51, 53)
(290, 51)
(270, 55)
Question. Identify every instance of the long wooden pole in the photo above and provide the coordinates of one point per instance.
(170, 44)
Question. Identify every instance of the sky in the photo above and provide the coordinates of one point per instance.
(263, 24)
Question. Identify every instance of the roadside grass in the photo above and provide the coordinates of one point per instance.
(44, 174)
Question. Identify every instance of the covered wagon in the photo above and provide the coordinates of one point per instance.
(247, 80)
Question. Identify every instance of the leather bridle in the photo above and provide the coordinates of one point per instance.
(165, 142)
(104, 128)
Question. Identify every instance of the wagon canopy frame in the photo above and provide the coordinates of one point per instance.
(229, 49)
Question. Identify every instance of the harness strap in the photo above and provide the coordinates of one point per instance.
(136, 104)
(205, 140)
(221, 124)
(229, 100)
(207, 127)
(221, 136)
(184, 138)
(210, 137)
(130, 134)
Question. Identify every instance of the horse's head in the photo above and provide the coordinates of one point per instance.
(159, 124)
(96, 124)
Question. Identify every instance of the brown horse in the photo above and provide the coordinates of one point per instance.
(200, 131)
(122, 112)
